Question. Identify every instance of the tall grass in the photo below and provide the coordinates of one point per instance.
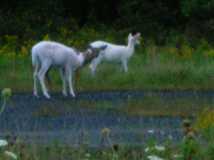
(172, 66)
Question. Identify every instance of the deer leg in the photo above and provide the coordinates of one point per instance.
(94, 64)
(63, 77)
(69, 80)
(35, 80)
(124, 65)
(44, 68)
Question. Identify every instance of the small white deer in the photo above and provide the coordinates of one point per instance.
(115, 53)
(46, 54)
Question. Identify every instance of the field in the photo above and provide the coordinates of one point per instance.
(161, 109)
(164, 86)
(151, 67)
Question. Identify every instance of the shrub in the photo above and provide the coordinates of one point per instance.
(205, 124)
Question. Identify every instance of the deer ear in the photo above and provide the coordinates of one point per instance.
(103, 47)
(89, 51)
(138, 34)
(130, 35)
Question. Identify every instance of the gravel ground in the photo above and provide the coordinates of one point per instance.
(64, 120)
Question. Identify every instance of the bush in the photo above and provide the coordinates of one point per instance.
(205, 124)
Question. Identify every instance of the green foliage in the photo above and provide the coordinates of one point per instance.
(59, 151)
(205, 124)
(5, 95)
(177, 65)
(210, 151)
(156, 19)
(10, 45)
(190, 149)
(190, 7)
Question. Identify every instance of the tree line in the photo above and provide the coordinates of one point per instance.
(157, 18)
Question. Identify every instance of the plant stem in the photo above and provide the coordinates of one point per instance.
(3, 106)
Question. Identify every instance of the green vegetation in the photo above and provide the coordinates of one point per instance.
(152, 67)
(5, 95)
(156, 19)
(194, 146)
(189, 148)
(177, 53)
(148, 106)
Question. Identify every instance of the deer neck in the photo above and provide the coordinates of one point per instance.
(81, 59)
(86, 58)
(131, 46)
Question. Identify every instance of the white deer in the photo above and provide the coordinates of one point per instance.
(115, 53)
(46, 54)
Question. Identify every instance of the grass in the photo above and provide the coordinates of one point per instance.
(151, 68)
(56, 152)
(157, 106)
(145, 72)
(187, 149)
(149, 105)
(158, 70)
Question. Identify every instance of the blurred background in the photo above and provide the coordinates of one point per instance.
(176, 50)
(157, 19)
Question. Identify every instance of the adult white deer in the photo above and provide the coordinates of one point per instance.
(118, 53)
(46, 54)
